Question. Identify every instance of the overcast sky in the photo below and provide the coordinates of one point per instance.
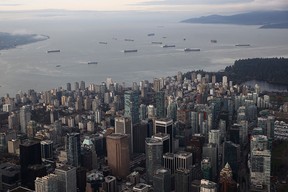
(197, 6)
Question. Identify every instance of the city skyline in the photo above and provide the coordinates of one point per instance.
(206, 6)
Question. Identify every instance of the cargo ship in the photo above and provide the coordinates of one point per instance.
(151, 34)
(242, 45)
(128, 39)
(130, 50)
(102, 42)
(53, 51)
(92, 63)
(213, 41)
(167, 46)
(191, 49)
(156, 42)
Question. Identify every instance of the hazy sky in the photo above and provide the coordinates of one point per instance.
(205, 6)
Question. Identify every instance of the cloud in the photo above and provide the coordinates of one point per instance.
(193, 2)
(9, 4)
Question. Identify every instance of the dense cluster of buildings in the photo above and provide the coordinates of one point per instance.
(183, 133)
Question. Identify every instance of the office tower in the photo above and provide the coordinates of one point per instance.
(79, 104)
(172, 111)
(82, 85)
(156, 85)
(25, 117)
(81, 179)
(118, 154)
(224, 81)
(13, 146)
(30, 160)
(141, 187)
(183, 160)
(193, 76)
(110, 184)
(46, 149)
(213, 79)
(164, 138)
(151, 112)
(3, 143)
(165, 125)
(215, 137)
(211, 151)
(169, 162)
(31, 128)
(160, 104)
(9, 176)
(143, 112)
(68, 86)
(140, 133)
(66, 176)
(206, 169)
(133, 178)
(131, 108)
(259, 142)
(208, 186)
(162, 180)
(260, 169)
(183, 180)
(73, 149)
(195, 147)
(194, 122)
(154, 152)
(123, 125)
(76, 86)
(227, 184)
(231, 155)
(47, 183)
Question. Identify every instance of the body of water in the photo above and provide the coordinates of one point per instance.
(78, 36)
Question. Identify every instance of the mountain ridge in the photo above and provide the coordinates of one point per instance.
(267, 19)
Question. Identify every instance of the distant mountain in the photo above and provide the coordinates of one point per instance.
(268, 19)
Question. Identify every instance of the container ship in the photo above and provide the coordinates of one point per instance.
(167, 46)
(53, 51)
(130, 50)
(242, 45)
(92, 63)
(191, 49)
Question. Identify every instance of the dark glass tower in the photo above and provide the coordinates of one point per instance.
(73, 149)
(131, 108)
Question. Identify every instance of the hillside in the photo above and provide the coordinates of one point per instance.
(268, 18)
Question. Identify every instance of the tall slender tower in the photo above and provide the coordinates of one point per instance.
(131, 100)
(25, 116)
(73, 149)
(154, 151)
(165, 125)
(118, 154)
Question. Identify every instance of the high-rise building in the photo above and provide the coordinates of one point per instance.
(25, 117)
(109, 184)
(31, 128)
(160, 104)
(211, 151)
(162, 180)
(183, 180)
(260, 169)
(183, 160)
(68, 86)
(140, 133)
(208, 186)
(165, 125)
(9, 176)
(47, 183)
(131, 100)
(169, 162)
(30, 160)
(123, 125)
(231, 155)
(66, 176)
(73, 149)
(154, 152)
(156, 85)
(206, 169)
(215, 137)
(227, 184)
(164, 138)
(46, 149)
(118, 154)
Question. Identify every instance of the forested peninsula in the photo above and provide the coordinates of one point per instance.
(271, 70)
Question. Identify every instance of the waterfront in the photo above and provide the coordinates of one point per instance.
(78, 37)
